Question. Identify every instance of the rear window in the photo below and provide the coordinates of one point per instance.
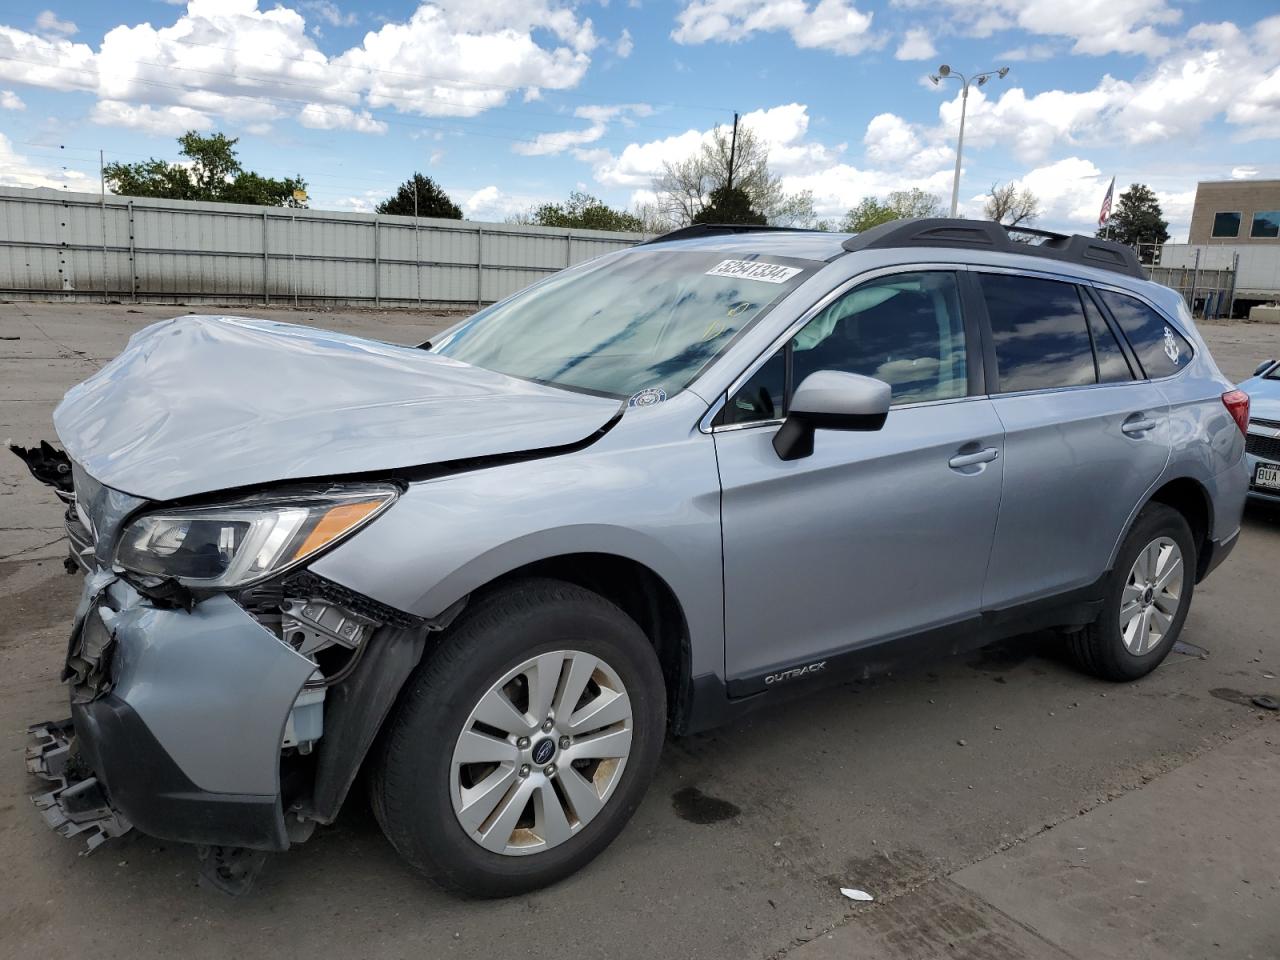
(1161, 350)
(1040, 334)
(1112, 365)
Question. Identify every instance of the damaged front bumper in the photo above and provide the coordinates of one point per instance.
(177, 722)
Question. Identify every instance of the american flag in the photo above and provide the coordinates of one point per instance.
(1105, 212)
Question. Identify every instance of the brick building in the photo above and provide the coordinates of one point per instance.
(1236, 212)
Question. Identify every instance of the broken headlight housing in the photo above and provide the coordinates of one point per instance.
(235, 544)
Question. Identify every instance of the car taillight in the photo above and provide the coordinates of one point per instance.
(1237, 404)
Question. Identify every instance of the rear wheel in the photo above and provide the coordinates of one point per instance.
(524, 743)
(1147, 599)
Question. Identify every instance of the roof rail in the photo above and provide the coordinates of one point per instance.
(989, 235)
(715, 229)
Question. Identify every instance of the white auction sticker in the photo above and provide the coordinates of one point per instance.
(753, 270)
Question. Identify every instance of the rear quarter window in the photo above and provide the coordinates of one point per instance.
(1161, 349)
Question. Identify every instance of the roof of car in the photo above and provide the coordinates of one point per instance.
(802, 244)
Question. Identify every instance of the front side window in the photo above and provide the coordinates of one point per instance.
(640, 320)
(1040, 333)
(1226, 224)
(1266, 223)
(905, 329)
(1161, 350)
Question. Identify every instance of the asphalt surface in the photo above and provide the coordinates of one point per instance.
(998, 805)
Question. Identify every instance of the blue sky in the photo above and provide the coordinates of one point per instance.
(511, 102)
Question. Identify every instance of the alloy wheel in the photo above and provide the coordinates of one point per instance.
(541, 753)
(1151, 596)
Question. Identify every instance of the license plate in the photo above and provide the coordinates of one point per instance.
(1267, 476)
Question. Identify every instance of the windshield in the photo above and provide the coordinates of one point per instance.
(631, 322)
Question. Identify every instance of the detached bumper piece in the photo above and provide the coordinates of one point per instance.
(77, 806)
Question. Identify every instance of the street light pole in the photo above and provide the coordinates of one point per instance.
(946, 73)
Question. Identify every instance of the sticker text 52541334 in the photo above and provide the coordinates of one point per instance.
(753, 270)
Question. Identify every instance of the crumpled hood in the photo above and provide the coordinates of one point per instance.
(205, 403)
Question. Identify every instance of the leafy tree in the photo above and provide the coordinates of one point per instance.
(685, 187)
(585, 212)
(728, 205)
(898, 205)
(1011, 206)
(432, 200)
(1137, 219)
(211, 172)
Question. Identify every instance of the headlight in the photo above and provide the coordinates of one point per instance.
(234, 544)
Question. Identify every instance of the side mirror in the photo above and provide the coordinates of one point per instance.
(1263, 367)
(835, 401)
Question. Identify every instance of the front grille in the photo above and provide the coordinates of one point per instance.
(1273, 424)
(1268, 448)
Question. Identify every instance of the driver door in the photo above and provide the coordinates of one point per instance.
(876, 535)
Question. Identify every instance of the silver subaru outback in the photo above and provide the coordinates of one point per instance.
(494, 571)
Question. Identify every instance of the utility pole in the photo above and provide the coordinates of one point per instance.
(733, 148)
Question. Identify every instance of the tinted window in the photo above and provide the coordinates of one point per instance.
(763, 396)
(905, 329)
(1112, 365)
(1226, 224)
(1266, 223)
(1039, 331)
(1160, 348)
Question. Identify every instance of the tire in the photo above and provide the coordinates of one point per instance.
(420, 784)
(1114, 646)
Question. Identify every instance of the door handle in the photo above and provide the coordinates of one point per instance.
(1137, 425)
(961, 460)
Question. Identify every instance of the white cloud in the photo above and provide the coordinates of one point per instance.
(491, 204)
(624, 45)
(11, 101)
(319, 116)
(48, 22)
(916, 45)
(600, 116)
(1034, 51)
(1243, 173)
(835, 25)
(164, 121)
(330, 13)
(231, 60)
(1097, 27)
(17, 171)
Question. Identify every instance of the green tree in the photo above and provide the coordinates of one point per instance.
(729, 205)
(432, 200)
(212, 172)
(898, 205)
(1137, 219)
(584, 212)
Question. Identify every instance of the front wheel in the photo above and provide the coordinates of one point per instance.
(524, 743)
(1146, 601)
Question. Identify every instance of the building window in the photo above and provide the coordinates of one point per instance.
(1266, 223)
(1226, 225)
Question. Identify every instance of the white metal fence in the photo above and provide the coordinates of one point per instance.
(78, 246)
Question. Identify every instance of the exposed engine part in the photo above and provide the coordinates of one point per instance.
(230, 869)
(77, 805)
(312, 625)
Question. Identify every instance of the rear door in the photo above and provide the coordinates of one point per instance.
(1085, 436)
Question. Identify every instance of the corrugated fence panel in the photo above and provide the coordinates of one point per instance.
(53, 244)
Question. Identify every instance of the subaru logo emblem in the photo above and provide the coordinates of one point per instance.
(543, 751)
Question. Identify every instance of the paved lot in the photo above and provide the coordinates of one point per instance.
(1079, 819)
